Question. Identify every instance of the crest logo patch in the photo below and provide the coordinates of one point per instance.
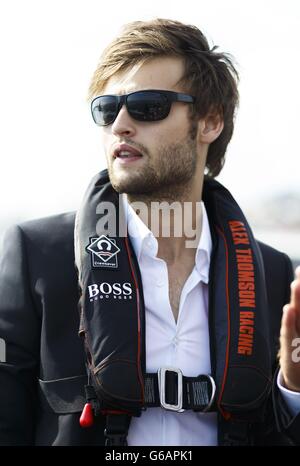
(103, 252)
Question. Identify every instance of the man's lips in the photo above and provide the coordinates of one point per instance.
(126, 152)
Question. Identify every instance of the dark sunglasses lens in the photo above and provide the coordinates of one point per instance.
(104, 110)
(148, 106)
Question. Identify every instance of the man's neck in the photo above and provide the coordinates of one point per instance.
(175, 220)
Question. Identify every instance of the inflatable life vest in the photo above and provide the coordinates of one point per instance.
(113, 328)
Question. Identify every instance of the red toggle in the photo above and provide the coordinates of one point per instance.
(87, 416)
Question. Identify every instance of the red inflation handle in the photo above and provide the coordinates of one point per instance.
(87, 416)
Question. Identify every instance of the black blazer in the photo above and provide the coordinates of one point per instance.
(42, 380)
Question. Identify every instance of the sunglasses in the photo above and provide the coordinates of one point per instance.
(149, 105)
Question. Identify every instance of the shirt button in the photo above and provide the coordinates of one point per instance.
(160, 283)
(175, 341)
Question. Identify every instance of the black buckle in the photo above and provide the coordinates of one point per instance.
(116, 430)
(112, 440)
(235, 433)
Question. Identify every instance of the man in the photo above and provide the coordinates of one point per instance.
(184, 324)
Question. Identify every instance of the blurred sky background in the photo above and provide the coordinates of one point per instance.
(50, 147)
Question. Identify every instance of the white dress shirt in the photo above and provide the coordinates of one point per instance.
(184, 344)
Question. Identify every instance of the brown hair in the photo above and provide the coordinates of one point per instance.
(209, 75)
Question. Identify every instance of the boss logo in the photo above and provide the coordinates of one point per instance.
(110, 290)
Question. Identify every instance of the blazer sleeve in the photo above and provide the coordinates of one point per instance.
(287, 424)
(19, 333)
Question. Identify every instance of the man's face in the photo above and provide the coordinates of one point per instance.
(168, 150)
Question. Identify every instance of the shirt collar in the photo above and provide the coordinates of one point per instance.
(144, 242)
(203, 253)
(142, 239)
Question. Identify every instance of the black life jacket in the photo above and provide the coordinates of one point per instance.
(113, 313)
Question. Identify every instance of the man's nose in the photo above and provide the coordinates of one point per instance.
(123, 124)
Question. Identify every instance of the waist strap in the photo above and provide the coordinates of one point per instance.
(171, 390)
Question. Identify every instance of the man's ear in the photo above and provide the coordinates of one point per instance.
(210, 127)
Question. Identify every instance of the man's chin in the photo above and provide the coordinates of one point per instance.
(126, 186)
(126, 182)
(129, 189)
(133, 187)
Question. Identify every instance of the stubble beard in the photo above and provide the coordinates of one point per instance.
(168, 179)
